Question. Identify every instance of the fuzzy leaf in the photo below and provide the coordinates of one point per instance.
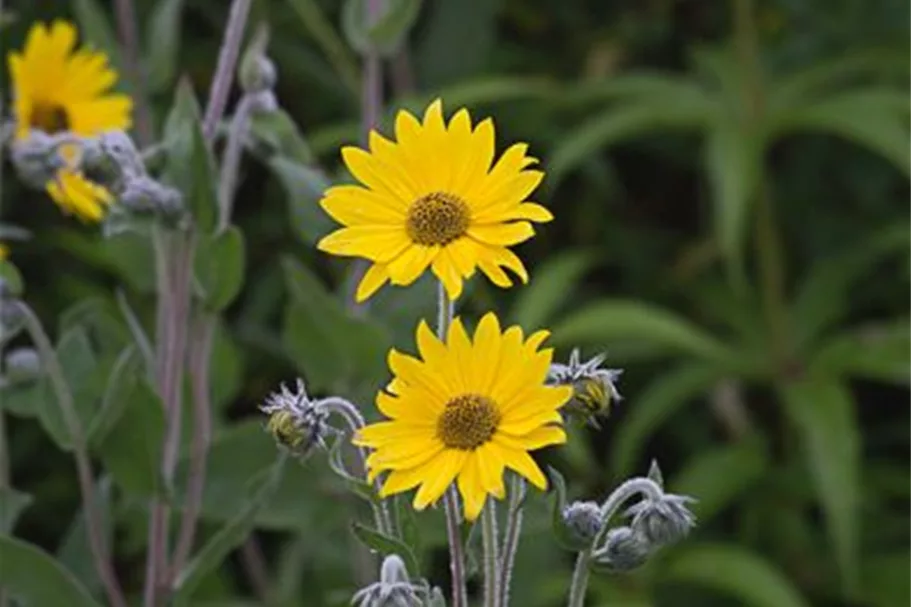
(34, 577)
(219, 268)
(386, 545)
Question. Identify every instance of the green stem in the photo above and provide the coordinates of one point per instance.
(490, 539)
(445, 313)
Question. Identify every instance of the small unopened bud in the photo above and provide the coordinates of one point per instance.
(393, 590)
(22, 364)
(257, 72)
(583, 521)
(262, 102)
(36, 160)
(295, 421)
(143, 195)
(623, 550)
(664, 520)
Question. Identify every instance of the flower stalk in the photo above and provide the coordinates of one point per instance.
(517, 490)
(490, 539)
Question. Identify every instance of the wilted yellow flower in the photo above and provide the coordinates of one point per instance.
(466, 412)
(58, 88)
(435, 198)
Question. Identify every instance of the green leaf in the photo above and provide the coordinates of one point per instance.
(219, 267)
(12, 503)
(655, 406)
(304, 186)
(878, 351)
(74, 551)
(386, 33)
(163, 43)
(95, 28)
(386, 545)
(607, 320)
(78, 363)
(190, 167)
(885, 579)
(118, 392)
(822, 410)
(35, 578)
(228, 537)
(872, 118)
(337, 53)
(735, 572)
(641, 86)
(554, 282)
(823, 297)
(732, 159)
(131, 450)
(276, 133)
(565, 538)
(622, 122)
(357, 485)
(718, 476)
(12, 278)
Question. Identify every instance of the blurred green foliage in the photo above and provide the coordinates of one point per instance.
(730, 185)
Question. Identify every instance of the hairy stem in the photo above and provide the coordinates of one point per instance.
(230, 163)
(64, 397)
(224, 70)
(129, 38)
(579, 582)
(517, 489)
(490, 539)
(200, 352)
(445, 313)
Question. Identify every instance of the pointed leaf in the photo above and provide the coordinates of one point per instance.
(386, 545)
(876, 351)
(74, 551)
(218, 267)
(163, 43)
(564, 536)
(822, 410)
(96, 29)
(12, 504)
(554, 282)
(607, 320)
(33, 576)
(304, 186)
(121, 384)
(735, 572)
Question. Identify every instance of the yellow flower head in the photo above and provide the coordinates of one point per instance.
(58, 88)
(434, 198)
(467, 411)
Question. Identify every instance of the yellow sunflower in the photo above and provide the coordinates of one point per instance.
(434, 198)
(58, 88)
(467, 411)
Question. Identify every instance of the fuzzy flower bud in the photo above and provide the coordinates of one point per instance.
(624, 550)
(393, 590)
(295, 421)
(664, 520)
(36, 158)
(594, 389)
(22, 364)
(143, 195)
(257, 72)
(583, 521)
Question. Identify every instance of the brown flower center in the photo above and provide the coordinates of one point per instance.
(50, 118)
(437, 219)
(468, 422)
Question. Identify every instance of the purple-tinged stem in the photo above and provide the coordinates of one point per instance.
(129, 38)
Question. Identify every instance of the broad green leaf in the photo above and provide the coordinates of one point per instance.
(323, 33)
(386, 32)
(732, 160)
(386, 545)
(190, 167)
(78, 363)
(553, 284)
(95, 29)
(822, 410)
(131, 450)
(304, 186)
(656, 405)
(74, 551)
(276, 133)
(12, 503)
(873, 118)
(210, 557)
(34, 577)
(120, 388)
(735, 572)
(621, 122)
(607, 320)
(879, 351)
(823, 297)
(163, 43)
(456, 42)
(718, 476)
(219, 267)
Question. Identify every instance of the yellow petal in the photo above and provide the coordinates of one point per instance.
(536, 439)
(471, 490)
(445, 269)
(522, 463)
(409, 266)
(368, 171)
(431, 348)
(376, 243)
(442, 470)
(490, 467)
(374, 278)
(503, 234)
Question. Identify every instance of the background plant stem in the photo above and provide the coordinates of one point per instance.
(490, 539)
(99, 550)
(129, 38)
(517, 489)
(445, 312)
